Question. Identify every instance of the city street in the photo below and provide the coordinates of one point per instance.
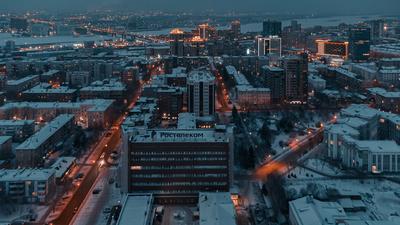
(105, 145)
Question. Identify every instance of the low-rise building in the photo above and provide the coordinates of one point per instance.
(249, 96)
(307, 211)
(91, 113)
(106, 89)
(18, 129)
(371, 155)
(78, 78)
(15, 87)
(46, 93)
(136, 210)
(389, 76)
(52, 77)
(62, 167)
(385, 100)
(5, 146)
(317, 83)
(33, 151)
(27, 185)
(365, 139)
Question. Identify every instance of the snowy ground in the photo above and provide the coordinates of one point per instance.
(281, 138)
(323, 166)
(11, 212)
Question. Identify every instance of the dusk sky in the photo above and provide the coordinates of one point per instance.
(275, 6)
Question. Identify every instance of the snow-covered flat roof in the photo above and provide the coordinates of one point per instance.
(22, 80)
(44, 89)
(378, 146)
(136, 209)
(342, 129)
(61, 165)
(25, 174)
(4, 139)
(15, 122)
(307, 211)
(360, 110)
(216, 209)
(384, 93)
(45, 133)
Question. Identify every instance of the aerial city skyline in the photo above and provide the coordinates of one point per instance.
(156, 112)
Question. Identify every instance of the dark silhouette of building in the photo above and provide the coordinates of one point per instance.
(177, 43)
(275, 81)
(201, 93)
(359, 43)
(236, 28)
(272, 28)
(296, 78)
(19, 24)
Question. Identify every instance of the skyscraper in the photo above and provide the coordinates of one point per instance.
(272, 27)
(19, 24)
(235, 27)
(332, 48)
(177, 44)
(275, 81)
(359, 43)
(377, 29)
(201, 93)
(296, 78)
(271, 45)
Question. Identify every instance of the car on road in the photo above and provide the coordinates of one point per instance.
(107, 210)
(96, 191)
(79, 176)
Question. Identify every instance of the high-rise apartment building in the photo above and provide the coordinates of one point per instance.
(201, 93)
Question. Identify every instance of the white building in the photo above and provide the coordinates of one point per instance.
(372, 156)
(271, 45)
(334, 138)
(93, 113)
(309, 211)
(365, 139)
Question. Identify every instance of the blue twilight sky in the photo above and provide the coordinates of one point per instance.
(274, 6)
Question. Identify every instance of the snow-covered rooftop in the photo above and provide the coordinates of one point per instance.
(45, 133)
(384, 93)
(25, 174)
(307, 211)
(136, 209)
(216, 209)
(15, 122)
(62, 165)
(186, 121)
(22, 80)
(4, 139)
